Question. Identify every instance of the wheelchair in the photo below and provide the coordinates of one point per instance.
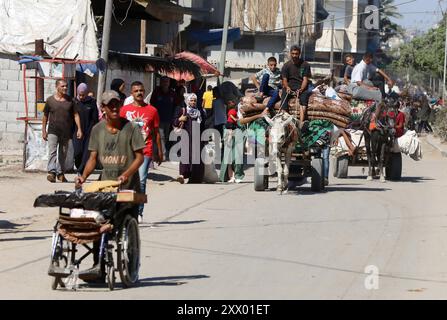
(114, 243)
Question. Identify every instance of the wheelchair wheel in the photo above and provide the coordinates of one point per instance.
(128, 251)
(111, 277)
(58, 260)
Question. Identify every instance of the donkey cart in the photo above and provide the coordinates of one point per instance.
(288, 157)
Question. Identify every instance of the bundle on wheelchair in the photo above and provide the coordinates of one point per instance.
(103, 226)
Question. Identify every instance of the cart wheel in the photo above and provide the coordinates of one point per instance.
(261, 179)
(342, 167)
(128, 251)
(394, 168)
(58, 259)
(111, 277)
(317, 179)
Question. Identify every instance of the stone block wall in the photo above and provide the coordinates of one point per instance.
(12, 103)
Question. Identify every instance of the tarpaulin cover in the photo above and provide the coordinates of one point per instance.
(214, 36)
(97, 201)
(36, 149)
(62, 23)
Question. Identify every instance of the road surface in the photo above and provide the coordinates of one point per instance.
(228, 242)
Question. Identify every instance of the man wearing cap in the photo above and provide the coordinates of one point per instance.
(118, 144)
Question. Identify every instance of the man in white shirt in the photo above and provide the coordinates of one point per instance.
(360, 87)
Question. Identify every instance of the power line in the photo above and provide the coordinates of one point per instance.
(340, 18)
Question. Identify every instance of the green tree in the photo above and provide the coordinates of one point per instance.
(389, 29)
(424, 53)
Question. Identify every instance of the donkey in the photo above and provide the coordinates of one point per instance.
(379, 132)
(284, 136)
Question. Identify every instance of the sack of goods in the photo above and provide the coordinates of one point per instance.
(293, 108)
(322, 108)
(250, 106)
(358, 107)
(410, 145)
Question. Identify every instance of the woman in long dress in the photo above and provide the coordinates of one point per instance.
(192, 119)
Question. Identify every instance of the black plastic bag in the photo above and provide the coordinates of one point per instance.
(97, 201)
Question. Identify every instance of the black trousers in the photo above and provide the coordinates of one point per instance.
(304, 99)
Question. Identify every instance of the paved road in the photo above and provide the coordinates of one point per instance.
(228, 242)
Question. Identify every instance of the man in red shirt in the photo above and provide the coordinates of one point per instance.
(146, 117)
(400, 124)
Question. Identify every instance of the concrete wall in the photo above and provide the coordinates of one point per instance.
(126, 37)
(350, 36)
(265, 47)
(216, 17)
(129, 76)
(12, 103)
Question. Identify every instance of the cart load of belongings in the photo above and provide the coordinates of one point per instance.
(321, 124)
(321, 106)
(408, 144)
(90, 211)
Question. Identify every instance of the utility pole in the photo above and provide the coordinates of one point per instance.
(300, 22)
(445, 60)
(105, 46)
(223, 51)
(40, 51)
(143, 37)
(332, 44)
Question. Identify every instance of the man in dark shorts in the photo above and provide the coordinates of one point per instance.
(59, 112)
(295, 79)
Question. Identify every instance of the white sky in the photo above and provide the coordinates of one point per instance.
(420, 14)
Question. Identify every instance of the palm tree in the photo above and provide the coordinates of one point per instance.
(388, 28)
(389, 10)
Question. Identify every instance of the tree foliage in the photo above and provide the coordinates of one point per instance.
(389, 29)
(424, 53)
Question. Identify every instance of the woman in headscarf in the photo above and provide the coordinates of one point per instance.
(118, 85)
(88, 114)
(192, 119)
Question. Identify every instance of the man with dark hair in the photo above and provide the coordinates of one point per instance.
(361, 87)
(164, 100)
(118, 144)
(59, 112)
(295, 79)
(146, 117)
(268, 82)
(350, 64)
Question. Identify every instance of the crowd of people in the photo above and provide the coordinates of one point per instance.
(131, 133)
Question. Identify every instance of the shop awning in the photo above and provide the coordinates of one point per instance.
(213, 36)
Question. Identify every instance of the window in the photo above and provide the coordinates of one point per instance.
(246, 43)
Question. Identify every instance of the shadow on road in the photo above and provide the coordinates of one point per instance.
(179, 222)
(305, 191)
(168, 281)
(25, 238)
(146, 282)
(415, 179)
(340, 188)
(158, 177)
(403, 179)
(5, 224)
(25, 231)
